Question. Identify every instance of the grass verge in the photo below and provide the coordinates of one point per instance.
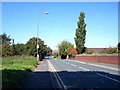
(15, 69)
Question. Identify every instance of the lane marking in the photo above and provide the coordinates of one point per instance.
(84, 68)
(51, 70)
(57, 76)
(68, 63)
(108, 77)
(73, 64)
(102, 66)
(100, 74)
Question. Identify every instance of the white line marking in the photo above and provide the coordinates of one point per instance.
(73, 64)
(102, 66)
(51, 69)
(67, 63)
(108, 77)
(56, 75)
(84, 68)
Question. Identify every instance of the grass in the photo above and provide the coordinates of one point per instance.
(15, 69)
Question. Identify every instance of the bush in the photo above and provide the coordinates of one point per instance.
(110, 50)
(63, 47)
(88, 51)
(63, 56)
(55, 55)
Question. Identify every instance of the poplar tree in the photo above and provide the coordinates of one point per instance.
(80, 34)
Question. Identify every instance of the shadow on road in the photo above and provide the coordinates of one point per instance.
(73, 80)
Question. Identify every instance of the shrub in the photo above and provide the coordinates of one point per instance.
(89, 51)
(110, 50)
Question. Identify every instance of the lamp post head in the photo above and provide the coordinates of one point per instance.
(45, 12)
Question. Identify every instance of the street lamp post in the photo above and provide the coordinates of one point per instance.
(38, 34)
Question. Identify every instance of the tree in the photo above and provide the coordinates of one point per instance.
(19, 49)
(48, 51)
(7, 49)
(0, 50)
(5, 39)
(63, 47)
(118, 47)
(80, 34)
(31, 48)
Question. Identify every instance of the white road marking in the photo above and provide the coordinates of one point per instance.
(108, 77)
(84, 68)
(96, 73)
(73, 64)
(100, 74)
(102, 66)
(67, 63)
(51, 70)
(57, 76)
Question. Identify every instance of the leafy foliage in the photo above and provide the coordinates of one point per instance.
(43, 50)
(31, 46)
(88, 51)
(24, 49)
(48, 51)
(80, 34)
(119, 47)
(55, 55)
(19, 49)
(6, 48)
(110, 51)
(64, 46)
(5, 39)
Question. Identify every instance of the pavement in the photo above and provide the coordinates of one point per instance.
(40, 78)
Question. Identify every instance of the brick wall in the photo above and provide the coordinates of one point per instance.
(109, 59)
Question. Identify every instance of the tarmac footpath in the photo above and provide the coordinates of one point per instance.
(40, 78)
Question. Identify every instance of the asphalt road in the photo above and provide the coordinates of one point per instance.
(70, 74)
(86, 75)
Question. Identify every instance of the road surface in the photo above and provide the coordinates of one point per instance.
(70, 74)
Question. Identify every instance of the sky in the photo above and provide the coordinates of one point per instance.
(20, 21)
(60, 0)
